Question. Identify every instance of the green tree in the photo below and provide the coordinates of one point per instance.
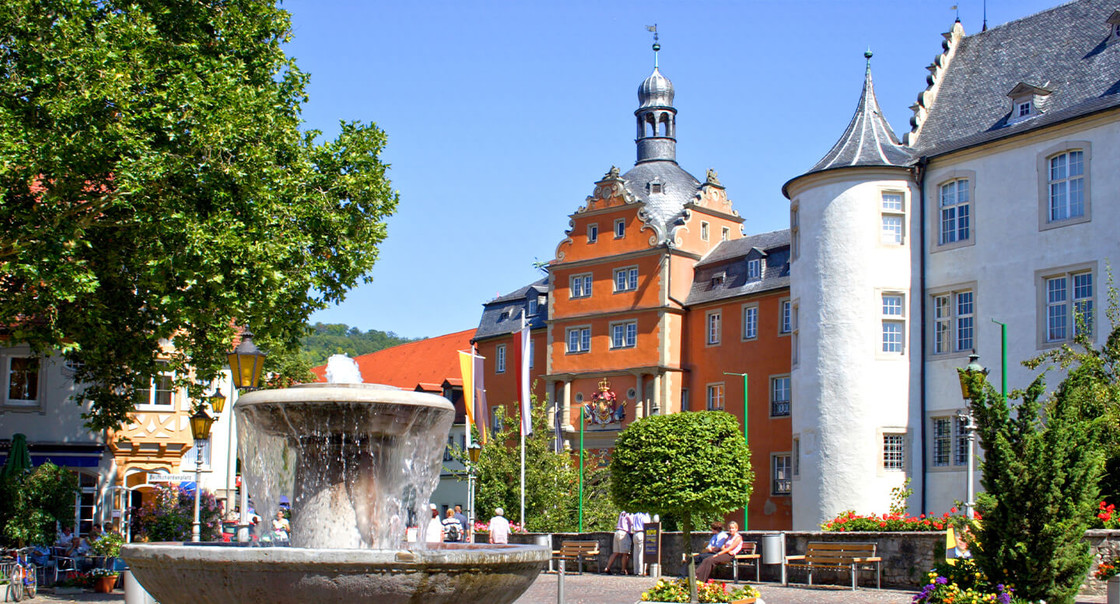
(325, 339)
(32, 502)
(156, 186)
(1041, 467)
(685, 465)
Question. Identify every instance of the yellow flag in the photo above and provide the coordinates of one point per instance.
(466, 360)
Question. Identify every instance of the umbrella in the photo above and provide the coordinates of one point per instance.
(19, 457)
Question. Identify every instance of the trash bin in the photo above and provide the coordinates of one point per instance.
(773, 548)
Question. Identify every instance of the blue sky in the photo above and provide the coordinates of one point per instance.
(502, 114)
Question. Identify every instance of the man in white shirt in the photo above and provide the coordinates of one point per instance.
(499, 527)
(638, 522)
(434, 532)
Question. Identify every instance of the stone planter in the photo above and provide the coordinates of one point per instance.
(1113, 596)
(743, 601)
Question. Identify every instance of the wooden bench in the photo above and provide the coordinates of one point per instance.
(579, 551)
(852, 557)
(748, 556)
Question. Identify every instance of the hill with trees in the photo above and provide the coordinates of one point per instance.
(326, 339)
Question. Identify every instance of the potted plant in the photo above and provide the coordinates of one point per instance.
(1109, 572)
(104, 579)
(676, 590)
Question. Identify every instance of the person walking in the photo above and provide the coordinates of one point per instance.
(452, 530)
(621, 544)
(638, 522)
(499, 527)
(730, 547)
(464, 532)
(434, 531)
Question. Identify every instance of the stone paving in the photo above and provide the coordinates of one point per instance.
(607, 589)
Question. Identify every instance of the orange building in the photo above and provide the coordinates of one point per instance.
(655, 295)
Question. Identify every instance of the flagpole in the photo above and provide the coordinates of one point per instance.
(522, 361)
(469, 400)
(581, 468)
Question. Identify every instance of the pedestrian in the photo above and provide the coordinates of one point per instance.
(719, 536)
(281, 528)
(434, 531)
(638, 522)
(730, 547)
(622, 541)
(452, 530)
(464, 532)
(499, 527)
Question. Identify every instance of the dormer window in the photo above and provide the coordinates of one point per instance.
(1027, 101)
(1114, 27)
(533, 306)
(754, 269)
(503, 316)
(655, 187)
(718, 278)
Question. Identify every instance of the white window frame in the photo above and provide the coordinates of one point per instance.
(794, 230)
(8, 358)
(725, 234)
(705, 229)
(619, 228)
(593, 232)
(795, 456)
(624, 334)
(785, 317)
(1070, 303)
(892, 217)
(713, 327)
(781, 474)
(1046, 183)
(754, 269)
(497, 419)
(582, 341)
(795, 332)
(580, 286)
(953, 320)
(781, 385)
(893, 323)
(750, 321)
(961, 181)
(153, 393)
(892, 451)
(500, 358)
(533, 307)
(716, 399)
(627, 277)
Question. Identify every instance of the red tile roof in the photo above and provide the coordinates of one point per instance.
(429, 361)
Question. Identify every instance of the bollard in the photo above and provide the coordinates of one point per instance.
(560, 583)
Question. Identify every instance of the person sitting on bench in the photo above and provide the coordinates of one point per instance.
(719, 537)
(726, 553)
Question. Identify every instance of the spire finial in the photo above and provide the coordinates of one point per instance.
(957, 8)
(656, 46)
(867, 54)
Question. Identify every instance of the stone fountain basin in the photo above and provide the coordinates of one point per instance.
(177, 573)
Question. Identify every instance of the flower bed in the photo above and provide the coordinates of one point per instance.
(963, 582)
(850, 521)
(676, 590)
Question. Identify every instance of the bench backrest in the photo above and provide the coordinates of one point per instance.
(749, 547)
(838, 553)
(572, 548)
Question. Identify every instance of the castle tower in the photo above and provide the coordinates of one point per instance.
(854, 315)
(657, 119)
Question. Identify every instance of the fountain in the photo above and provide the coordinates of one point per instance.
(358, 462)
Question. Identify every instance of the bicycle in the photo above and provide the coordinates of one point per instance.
(21, 576)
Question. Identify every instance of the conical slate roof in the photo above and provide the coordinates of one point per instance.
(869, 140)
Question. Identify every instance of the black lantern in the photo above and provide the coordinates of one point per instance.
(217, 401)
(966, 375)
(245, 363)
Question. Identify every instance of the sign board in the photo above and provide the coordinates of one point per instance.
(653, 542)
(170, 478)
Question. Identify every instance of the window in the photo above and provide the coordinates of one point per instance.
(1024, 109)
(750, 322)
(953, 322)
(794, 230)
(592, 233)
(500, 359)
(1067, 186)
(447, 449)
(533, 308)
(786, 313)
(23, 380)
(955, 204)
(159, 391)
(496, 415)
(892, 216)
(779, 396)
(893, 323)
(1069, 306)
(754, 269)
(780, 474)
(894, 452)
(724, 234)
(624, 335)
(626, 279)
(797, 456)
(703, 231)
(961, 441)
(619, 228)
(950, 442)
(581, 286)
(795, 337)
(714, 320)
(579, 339)
(715, 397)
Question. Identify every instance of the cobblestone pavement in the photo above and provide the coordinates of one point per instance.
(606, 589)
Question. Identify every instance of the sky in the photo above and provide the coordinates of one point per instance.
(501, 115)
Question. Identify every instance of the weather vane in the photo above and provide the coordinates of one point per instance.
(656, 46)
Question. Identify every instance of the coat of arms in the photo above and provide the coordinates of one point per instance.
(604, 407)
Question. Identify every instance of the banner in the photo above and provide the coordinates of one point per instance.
(524, 354)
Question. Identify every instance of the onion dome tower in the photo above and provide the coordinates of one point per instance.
(657, 119)
(851, 218)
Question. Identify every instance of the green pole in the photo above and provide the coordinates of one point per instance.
(581, 468)
(1002, 358)
(746, 439)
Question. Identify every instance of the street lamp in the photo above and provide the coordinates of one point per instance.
(967, 376)
(473, 453)
(245, 363)
(200, 429)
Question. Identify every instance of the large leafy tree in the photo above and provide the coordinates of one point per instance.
(685, 465)
(156, 185)
(32, 502)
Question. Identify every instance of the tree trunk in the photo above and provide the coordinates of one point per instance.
(687, 536)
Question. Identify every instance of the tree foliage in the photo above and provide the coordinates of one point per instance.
(156, 186)
(1043, 459)
(551, 480)
(32, 502)
(686, 465)
(336, 338)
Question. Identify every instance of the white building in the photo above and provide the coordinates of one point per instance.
(1001, 205)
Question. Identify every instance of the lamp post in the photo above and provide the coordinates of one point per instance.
(473, 453)
(967, 375)
(746, 439)
(200, 429)
(245, 364)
